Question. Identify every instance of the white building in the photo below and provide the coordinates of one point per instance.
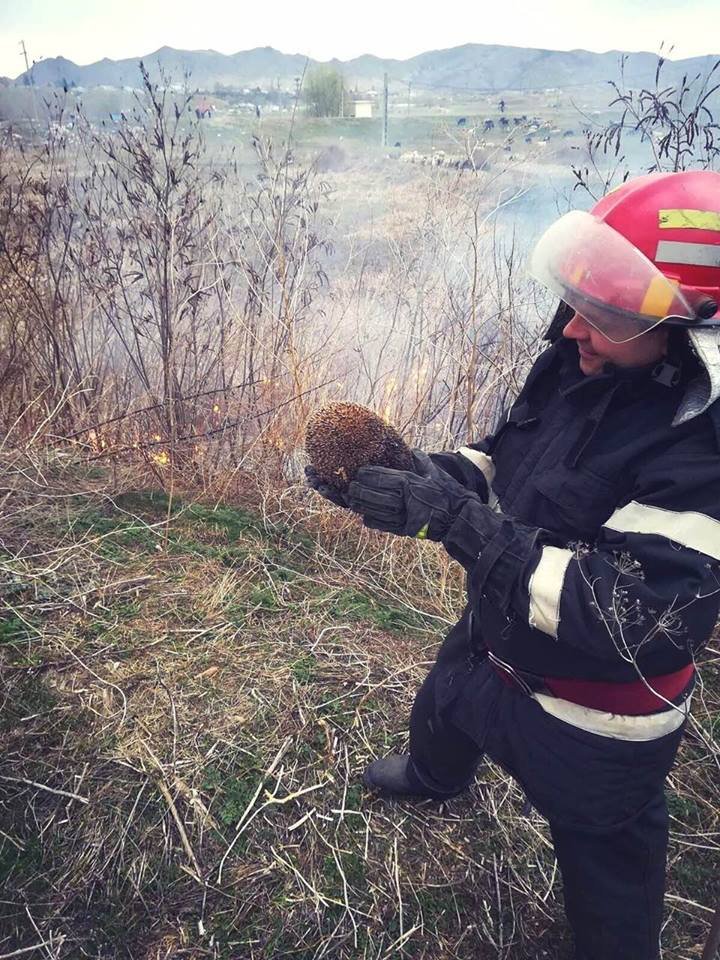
(363, 109)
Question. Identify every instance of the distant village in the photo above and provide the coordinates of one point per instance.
(461, 141)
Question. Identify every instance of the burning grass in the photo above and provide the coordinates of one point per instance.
(190, 692)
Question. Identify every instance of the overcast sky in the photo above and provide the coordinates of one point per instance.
(88, 30)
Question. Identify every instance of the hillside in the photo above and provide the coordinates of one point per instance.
(472, 66)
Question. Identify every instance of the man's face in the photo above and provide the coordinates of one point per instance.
(595, 350)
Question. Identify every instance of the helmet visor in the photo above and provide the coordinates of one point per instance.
(603, 277)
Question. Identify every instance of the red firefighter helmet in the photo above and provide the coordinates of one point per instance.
(647, 253)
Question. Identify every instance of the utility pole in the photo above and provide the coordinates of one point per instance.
(385, 111)
(24, 53)
(32, 80)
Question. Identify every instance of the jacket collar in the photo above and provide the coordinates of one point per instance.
(573, 382)
(593, 395)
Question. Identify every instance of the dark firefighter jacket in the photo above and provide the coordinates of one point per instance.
(607, 564)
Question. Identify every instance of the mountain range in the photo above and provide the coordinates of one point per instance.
(473, 66)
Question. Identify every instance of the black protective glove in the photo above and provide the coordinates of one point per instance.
(421, 464)
(325, 489)
(423, 503)
(430, 504)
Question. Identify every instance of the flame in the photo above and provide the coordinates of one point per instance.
(390, 385)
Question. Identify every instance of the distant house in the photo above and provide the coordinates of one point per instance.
(363, 109)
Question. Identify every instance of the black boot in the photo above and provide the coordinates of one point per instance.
(394, 776)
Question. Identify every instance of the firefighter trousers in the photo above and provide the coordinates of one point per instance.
(603, 798)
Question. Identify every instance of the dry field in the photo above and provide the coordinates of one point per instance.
(191, 688)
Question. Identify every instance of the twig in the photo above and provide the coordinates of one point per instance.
(238, 829)
(279, 801)
(162, 787)
(36, 946)
(43, 786)
(689, 903)
(401, 941)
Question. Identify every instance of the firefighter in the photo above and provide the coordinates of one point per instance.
(589, 527)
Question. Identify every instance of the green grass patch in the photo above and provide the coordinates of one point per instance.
(228, 534)
(29, 696)
(13, 630)
(18, 865)
(264, 597)
(304, 668)
(232, 791)
(683, 807)
(233, 521)
(154, 503)
(351, 604)
(120, 533)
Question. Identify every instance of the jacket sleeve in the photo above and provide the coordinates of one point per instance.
(471, 466)
(651, 578)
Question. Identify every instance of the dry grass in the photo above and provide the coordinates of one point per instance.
(190, 692)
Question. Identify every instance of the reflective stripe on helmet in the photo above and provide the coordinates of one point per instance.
(692, 254)
(689, 220)
(658, 299)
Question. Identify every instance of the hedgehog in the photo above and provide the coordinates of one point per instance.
(342, 437)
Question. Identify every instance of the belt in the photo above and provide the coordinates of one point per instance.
(612, 712)
(638, 698)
